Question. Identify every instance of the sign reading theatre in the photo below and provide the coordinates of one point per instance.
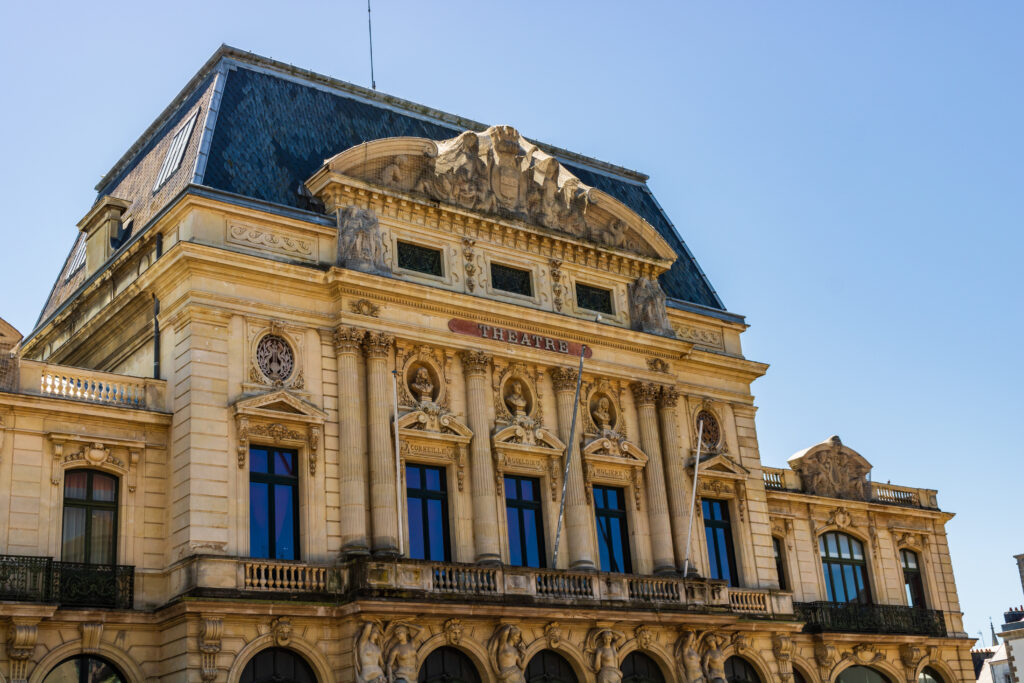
(517, 337)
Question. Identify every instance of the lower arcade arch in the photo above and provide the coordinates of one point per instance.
(548, 666)
(861, 674)
(448, 665)
(639, 668)
(277, 665)
(85, 669)
(930, 675)
(739, 670)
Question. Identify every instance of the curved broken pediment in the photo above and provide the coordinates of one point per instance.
(496, 171)
(834, 470)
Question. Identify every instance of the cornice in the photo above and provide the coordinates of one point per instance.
(52, 406)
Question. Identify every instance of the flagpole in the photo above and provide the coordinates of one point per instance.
(693, 497)
(568, 455)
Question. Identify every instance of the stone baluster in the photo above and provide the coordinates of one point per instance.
(675, 471)
(383, 501)
(579, 522)
(645, 395)
(351, 443)
(476, 368)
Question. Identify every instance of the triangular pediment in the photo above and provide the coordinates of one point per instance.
(281, 404)
(500, 173)
(722, 466)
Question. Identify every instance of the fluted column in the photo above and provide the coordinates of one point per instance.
(476, 366)
(351, 443)
(645, 396)
(579, 524)
(676, 479)
(383, 501)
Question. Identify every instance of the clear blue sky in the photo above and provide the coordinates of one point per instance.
(849, 175)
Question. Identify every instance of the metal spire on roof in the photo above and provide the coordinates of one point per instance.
(995, 643)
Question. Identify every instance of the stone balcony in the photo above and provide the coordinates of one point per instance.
(214, 576)
(784, 479)
(89, 386)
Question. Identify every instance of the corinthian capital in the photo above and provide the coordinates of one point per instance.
(474, 362)
(564, 379)
(644, 394)
(377, 344)
(668, 397)
(348, 339)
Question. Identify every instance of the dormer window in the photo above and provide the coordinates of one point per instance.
(594, 299)
(176, 152)
(420, 259)
(509, 279)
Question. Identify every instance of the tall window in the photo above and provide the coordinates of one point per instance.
(612, 530)
(718, 533)
(273, 503)
(912, 578)
(525, 528)
(846, 574)
(427, 500)
(780, 564)
(90, 517)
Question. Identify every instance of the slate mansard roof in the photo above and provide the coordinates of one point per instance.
(264, 127)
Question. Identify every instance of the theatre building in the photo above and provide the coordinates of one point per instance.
(300, 404)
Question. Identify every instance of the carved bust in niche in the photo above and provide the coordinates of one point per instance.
(602, 411)
(516, 400)
(421, 385)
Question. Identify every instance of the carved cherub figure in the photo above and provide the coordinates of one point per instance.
(368, 656)
(515, 401)
(689, 658)
(402, 663)
(605, 655)
(602, 414)
(422, 385)
(508, 654)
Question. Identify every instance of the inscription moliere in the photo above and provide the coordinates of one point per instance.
(518, 337)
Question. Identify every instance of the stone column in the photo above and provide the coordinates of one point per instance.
(351, 444)
(383, 501)
(476, 368)
(578, 527)
(676, 478)
(645, 395)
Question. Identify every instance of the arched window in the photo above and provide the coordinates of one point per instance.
(846, 573)
(639, 668)
(929, 675)
(739, 670)
(448, 665)
(90, 517)
(798, 677)
(277, 665)
(85, 669)
(861, 674)
(549, 667)
(912, 578)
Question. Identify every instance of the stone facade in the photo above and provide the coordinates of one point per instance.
(309, 332)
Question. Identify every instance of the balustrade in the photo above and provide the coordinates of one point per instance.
(91, 386)
(654, 590)
(774, 478)
(450, 578)
(751, 602)
(564, 585)
(284, 576)
(895, 495)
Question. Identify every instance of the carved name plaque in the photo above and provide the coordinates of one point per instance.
(517, 337)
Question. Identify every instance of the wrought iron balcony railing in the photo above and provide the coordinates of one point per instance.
(68, 584)
(886, 619)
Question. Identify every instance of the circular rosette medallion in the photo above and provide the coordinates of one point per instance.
(275, 358)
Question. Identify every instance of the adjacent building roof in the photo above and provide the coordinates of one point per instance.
(264, 127)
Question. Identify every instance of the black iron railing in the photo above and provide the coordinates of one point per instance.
(853, 618)
(68, 584)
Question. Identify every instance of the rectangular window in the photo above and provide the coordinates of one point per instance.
(509, 279)
(421, 259)
(427, 501)
(90, 517)
(780, 565)
(718, 533)
(273, 503)
(175, 152)
(612, 530)
(594, 299)
(525, 527)
(912, 578)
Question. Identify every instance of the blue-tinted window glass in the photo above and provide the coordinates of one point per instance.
(718, 536)
(525, 529)
(845, 569)
(612, 530)
(427, 505)
(273, 504)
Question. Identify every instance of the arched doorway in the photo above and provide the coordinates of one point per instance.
(277, 665)
(549, 667)
(929, 675)
(85, 669)
(639, 668)
(861, 674)
(448, 665)
(739, 670)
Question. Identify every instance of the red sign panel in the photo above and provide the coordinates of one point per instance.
(517, 337)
